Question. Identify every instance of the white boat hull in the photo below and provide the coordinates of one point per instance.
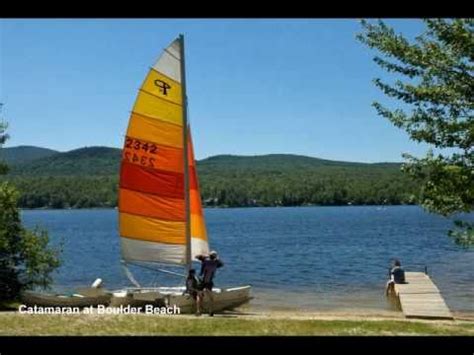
(30, 298)
(223, 299)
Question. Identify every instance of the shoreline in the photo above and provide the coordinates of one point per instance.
(216, 207)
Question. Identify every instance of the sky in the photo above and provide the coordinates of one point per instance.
(254, 86)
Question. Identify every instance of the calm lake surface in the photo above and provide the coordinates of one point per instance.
(305, 258)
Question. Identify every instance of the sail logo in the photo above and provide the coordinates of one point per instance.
(163, 86)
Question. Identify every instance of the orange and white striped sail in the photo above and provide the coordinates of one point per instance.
(152, 211)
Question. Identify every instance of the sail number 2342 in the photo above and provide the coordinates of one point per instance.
(138, 152)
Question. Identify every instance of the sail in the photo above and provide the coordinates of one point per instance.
(199, 243)
(152, 202)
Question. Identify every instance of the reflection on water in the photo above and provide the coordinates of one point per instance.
(301, 258)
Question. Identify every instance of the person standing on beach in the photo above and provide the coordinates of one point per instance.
(194, 290)
(209, 265)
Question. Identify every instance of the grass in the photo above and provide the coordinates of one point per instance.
(12, 323)
(9, 305)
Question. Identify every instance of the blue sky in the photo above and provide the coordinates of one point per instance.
(254, 86)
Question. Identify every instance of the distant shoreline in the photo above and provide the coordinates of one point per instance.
(89, 177)
(210, 207)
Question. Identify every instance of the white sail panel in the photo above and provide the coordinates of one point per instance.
(199, 247)
(169, 63)
(141, 250)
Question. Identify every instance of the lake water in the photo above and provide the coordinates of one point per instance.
(305, 258)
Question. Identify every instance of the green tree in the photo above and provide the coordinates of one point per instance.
(435, 83)
(3, 138)
(26, 260)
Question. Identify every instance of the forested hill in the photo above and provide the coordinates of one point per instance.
(88, 177)
(280, 162)
(79, 162)
(293, 180)
(24, 153)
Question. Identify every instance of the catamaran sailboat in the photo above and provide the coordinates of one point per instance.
(161, 220)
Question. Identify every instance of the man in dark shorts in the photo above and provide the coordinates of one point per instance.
(209, 265)
(397, 276)
(193, 288)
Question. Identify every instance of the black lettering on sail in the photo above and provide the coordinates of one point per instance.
(163, 86)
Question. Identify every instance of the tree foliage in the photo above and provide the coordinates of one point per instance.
(3, 138)
(276, 180)
(292, 184)
(26, 260)
(435, 84)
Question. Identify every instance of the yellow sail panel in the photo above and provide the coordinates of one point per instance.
(162, 86)
(152, 229)
(154, 107)
(154, 130)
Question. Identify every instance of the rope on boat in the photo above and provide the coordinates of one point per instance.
(171, 272)
(130, 275)
(162, 270)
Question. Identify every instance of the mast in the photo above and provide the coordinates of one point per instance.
(185, 149)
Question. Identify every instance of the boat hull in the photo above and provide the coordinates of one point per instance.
(223, 299)
(31, 299)
(137, 297)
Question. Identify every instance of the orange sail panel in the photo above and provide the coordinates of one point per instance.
(155, 206)
(152, 181)
(152, 214)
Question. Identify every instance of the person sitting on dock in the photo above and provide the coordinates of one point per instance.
(194, 290)
(209, 265)
(397, 276)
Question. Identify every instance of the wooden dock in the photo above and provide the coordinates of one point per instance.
(420, 298)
